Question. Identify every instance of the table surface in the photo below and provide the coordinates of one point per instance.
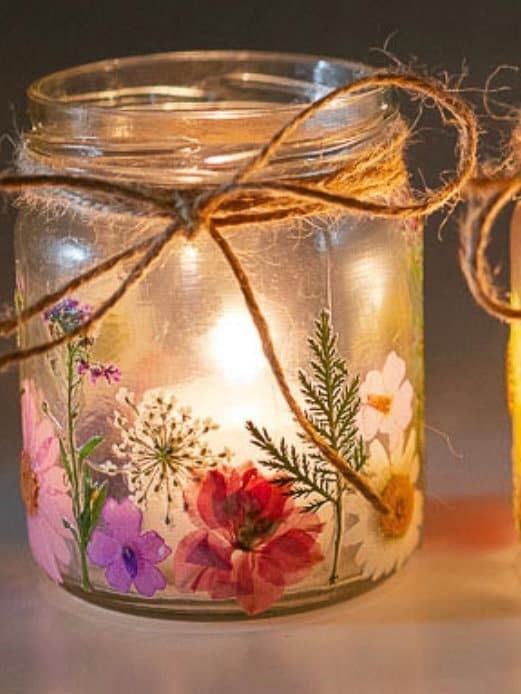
(450, 622)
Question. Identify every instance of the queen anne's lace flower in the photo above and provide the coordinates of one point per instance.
(386, 541)
(161, 445)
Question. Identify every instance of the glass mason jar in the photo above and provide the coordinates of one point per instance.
(162, 471)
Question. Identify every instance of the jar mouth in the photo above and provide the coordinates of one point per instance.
(195, 117)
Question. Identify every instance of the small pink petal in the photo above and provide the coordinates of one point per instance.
(255, 594)
(393, 372)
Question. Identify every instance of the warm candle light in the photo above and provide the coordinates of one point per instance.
(235, 347)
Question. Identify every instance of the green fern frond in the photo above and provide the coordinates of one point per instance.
(332, 406)
(302, 477)
(331, 395)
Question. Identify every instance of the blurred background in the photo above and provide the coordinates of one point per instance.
(464, 348)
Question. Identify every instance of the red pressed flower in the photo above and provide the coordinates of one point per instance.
(252, 541)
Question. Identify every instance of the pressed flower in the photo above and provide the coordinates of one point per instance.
(162, 446)
(109, 372)
(128, 555)
(386, 401)
(43, 489)
(387, 540)
(251, 542)
(68, 314)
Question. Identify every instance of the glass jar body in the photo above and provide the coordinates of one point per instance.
(162, 470)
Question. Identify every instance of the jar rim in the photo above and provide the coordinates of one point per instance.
(51, 88)
(197, 114)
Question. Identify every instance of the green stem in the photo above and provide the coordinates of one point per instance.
(77, 472)
(85, 579)
(70, 422)
(339, 513)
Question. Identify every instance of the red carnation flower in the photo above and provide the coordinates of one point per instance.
(252, 541)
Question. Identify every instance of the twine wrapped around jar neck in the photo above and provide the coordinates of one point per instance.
(361, 189)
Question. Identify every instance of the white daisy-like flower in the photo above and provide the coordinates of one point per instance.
(161, 445)
(386, 401)
(387, 541)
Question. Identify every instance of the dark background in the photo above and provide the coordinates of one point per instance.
(464, 348)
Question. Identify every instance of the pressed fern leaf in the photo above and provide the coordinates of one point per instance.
(333, 403)
(302, 477)
(331, 396)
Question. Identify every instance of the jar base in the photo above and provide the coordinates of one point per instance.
(185, 609)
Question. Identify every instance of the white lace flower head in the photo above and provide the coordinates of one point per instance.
(161, 444)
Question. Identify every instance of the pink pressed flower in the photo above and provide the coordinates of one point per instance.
(43, 487)
(252, 541)
(386, 401)
(110, 372)
(83, 367)
(128, 555)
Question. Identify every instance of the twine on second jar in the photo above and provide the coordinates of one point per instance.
(357, 188)
(489, 196)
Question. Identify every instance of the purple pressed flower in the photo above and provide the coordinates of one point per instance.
(96, 371)
(83, 367)
(128, 556)
(110, 372)
(68, 314)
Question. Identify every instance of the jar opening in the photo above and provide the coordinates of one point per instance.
(193, 118)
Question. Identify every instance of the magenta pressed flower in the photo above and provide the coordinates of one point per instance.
(68, 314)
(128, 556)
(251, 542)
(109, 372)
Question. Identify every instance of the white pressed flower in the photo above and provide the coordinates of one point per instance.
(161, 446)
(387, 541)
(386, 401)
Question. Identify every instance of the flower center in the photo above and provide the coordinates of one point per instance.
(382, 403)
(130, 560)
(398, 495)
(252, 530)
(29, 487)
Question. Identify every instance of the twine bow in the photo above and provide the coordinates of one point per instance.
(200, 215)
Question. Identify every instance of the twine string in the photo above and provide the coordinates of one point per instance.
(476, 233)
(209, 211)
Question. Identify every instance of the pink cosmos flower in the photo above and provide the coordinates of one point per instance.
(251, 543)
(43, 489)
(386, 401)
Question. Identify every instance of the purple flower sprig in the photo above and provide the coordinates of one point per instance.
(96, 371)
(68, 314)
